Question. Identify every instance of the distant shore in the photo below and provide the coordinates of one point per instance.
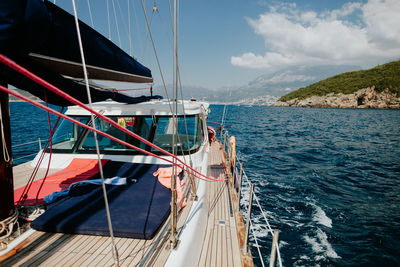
(363, 98)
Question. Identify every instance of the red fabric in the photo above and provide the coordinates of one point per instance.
(33, 77)
(164, 177)
(78, 170)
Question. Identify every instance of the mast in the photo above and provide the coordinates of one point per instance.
(6, 176)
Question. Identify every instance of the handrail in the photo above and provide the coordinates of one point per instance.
(224, 135)
(270, 230)
(39, 141)
(27, 143)
(26, 156)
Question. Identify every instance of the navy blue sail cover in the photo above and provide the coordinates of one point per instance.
(42, 38)
(137, 209)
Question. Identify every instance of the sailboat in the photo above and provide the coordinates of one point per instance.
(122, 180)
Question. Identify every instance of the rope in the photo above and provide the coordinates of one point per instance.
(116, 23)
(114, 250)
(108, 19)
(190, 170)
(90, 14)
(36, 169)
(265, 218)
(54, 89)
(7, 225)
(257, 245)
(51, 146)
(155, 51)
(123, 22)
(129, 30)
(6, 154)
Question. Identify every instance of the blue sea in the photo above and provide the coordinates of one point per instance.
(328, 179)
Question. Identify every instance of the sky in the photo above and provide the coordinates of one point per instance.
(226, 43)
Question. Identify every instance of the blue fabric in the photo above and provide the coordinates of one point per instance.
(109, 181)
(137, 209)
(41, 27)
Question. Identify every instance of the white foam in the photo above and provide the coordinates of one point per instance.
(320, 217)
(321, 245)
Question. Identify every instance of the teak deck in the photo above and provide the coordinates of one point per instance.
(220, 247)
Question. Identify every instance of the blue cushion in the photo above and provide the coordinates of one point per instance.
(137, 210)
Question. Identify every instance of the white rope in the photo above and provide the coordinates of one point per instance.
(265, 219)
(6, 155)
(114, 248)
(116, 23)
(7, 225)
(90, 13)
(129, 30)
(257, 245)
(108, 19)
(155, 51)
(123, 22)
(138, 28)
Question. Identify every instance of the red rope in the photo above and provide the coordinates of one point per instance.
(36, 169)
(54, 89)
(51, 149)
(9, 91)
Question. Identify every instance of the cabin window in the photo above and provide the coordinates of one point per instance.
(156, 129)
(191, 141)
(67, 133)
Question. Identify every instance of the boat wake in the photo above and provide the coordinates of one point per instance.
(320, 245)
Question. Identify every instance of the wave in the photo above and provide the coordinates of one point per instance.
(321, 245)
(320, 216)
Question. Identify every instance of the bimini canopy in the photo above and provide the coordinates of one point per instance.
(42, 38)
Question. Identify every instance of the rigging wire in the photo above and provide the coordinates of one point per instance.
(50, 141)
(61, 93)
(108, 19)
(114, 250)
(159, 66)
(116, 23)
(197, 174)
(129, 29)
(124, 24)
(90, 13)
(155, 51)
(36, 168)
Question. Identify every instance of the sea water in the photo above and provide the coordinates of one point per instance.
(328, 179)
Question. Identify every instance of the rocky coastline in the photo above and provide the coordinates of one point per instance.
(363, 98)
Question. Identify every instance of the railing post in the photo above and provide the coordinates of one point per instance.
(240, 185)
(273, 249)
(40, 144)
(245, 247)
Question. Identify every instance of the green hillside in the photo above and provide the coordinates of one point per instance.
(383, 76)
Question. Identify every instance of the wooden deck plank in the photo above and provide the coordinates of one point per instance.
(83, 249)
(220, 246)
(235, 244)
(47, 252)
(97, 253)
(31, 251)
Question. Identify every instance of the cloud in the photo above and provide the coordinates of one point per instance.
(357, 33)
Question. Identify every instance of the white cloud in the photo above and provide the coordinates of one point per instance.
(292, 37)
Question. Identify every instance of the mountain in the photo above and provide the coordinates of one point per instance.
(278, 83)
(382, 77)
(188, 92)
